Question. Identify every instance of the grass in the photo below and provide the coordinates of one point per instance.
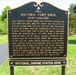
(3, 39)
(45, 70)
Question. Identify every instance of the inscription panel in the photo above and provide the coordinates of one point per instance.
(37, 38)
(37, 32)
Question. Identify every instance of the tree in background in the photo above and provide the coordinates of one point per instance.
(4, 13)
(71, 9)
(72, 19)
(74, 9)
(3, 21)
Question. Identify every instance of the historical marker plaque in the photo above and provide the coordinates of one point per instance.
(37, 35)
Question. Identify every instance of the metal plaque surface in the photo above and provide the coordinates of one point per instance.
(37, 34)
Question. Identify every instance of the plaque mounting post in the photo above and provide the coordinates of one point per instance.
(63, 70)
(11, 70)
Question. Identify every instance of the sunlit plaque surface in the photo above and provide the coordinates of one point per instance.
(37, 35)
